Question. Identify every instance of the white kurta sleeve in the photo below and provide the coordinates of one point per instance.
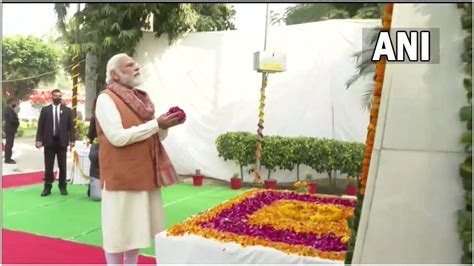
(110, 121)
(163, 133)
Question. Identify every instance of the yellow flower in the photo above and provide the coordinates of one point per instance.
(304, 217)
(299, 184)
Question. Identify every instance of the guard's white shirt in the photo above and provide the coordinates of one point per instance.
(56, 113)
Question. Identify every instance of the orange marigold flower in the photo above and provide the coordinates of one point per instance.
(364, 173)
(378, 87)
(365, 162)
(377, 93)
(371, 135)
(370, 143)
(345, 239)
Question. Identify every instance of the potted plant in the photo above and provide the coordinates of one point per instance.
(301, 186)
(235, 181)
(270, 183)
(197, 178)
(271, 158)
(351, 188)
(312, 185)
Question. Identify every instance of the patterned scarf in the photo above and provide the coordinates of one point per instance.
(140, 103)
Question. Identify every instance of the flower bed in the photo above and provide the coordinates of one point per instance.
(295, 223)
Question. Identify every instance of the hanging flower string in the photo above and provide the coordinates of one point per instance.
(379, 77)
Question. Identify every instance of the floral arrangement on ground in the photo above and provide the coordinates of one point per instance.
(295, 223)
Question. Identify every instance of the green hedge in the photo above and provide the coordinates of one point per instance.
(238, 147)
(288, 153)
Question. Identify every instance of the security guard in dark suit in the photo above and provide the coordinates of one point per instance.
(11, 123)
(55, 132)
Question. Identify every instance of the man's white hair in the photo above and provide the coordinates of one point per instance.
(112, 64)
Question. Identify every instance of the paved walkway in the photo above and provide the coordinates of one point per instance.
(29, 159)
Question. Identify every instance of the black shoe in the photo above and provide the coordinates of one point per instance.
(10, 161)
(63, 191)
(45, 192)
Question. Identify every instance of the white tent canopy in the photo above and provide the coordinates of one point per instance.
(210, 76)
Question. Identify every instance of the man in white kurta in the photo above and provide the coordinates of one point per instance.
(130, 219)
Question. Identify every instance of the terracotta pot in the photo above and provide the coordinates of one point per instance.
(270, 183)
(197, 180)
(235, 183)
(351, 190)
(312, 187)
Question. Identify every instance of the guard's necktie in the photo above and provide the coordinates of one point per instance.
(56, 120)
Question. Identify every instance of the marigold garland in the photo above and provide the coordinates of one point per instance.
(379, 77)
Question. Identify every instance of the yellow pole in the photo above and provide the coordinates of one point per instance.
(75, 77)
(259, 148)
(75, 73)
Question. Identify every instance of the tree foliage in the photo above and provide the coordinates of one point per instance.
(304, 13)
(465, 115)
(108, 29)
(365, 67)
(25, 62)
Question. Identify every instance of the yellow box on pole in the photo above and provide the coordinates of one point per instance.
(269, 62)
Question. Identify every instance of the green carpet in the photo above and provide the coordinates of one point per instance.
(77, 218)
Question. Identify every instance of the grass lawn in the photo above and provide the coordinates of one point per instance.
(77, 218)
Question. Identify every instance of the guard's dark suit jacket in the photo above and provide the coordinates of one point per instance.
(10, 120)
(45, 126)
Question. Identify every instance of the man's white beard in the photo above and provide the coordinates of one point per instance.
(130, 81)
